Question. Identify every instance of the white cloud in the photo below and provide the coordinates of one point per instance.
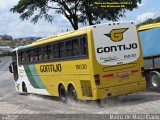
(11, 24)
(145, 16)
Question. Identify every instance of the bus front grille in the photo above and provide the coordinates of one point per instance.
(86, 88)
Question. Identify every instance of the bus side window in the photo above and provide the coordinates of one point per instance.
(69, 51)
(23, 56)
(35, 54)
(83, 46)
(76, 49)
(62, 50)
(27, 56)
(39, 50)
(49, 52)
(55, 51)
(14, 56)
(44, 55)
(31, 55)
(20, 57)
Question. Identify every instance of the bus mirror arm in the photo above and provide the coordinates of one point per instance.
(11, 68)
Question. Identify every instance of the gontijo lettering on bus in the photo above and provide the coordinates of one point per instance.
(117, 48)
(115, 45)
(51, 68)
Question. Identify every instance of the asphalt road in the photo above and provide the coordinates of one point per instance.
(13, 103)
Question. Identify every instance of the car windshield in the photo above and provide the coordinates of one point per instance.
(150, 40)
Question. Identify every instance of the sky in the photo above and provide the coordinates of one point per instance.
(10, 23)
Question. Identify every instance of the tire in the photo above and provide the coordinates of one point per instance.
(24, 88)
(154, 80)
(72, 95)
(99, 103)
(62, 94)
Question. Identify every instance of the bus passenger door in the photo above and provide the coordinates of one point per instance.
(13, 66)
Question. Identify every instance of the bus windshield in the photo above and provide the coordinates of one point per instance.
(150, 40)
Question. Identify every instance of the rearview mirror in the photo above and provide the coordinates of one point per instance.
(11, 68)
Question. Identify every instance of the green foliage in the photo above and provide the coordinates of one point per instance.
(94, 13)
(6, 37)
(76, 11)
(38, 9)
(149, 21)
(13, 43)
(27, 9)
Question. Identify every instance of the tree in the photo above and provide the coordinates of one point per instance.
(6, 37)
(40, 9)
(149, 21)
(94, 13)
(76, 11)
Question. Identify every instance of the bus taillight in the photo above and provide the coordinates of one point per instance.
(97, 79)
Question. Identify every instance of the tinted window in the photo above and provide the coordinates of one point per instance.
(20, 57)
(31, 55)
(55, 51)
(23, 56)
(61, 50)
(76, 47)
(14, 56)
(83, 46)
(35, 57)
(49, 52)
(44, 55)
(27, 56)
(69, 50)
(39, 49)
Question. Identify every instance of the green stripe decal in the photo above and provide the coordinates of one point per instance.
(33, 77)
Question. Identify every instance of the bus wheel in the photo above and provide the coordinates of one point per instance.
(154, 80)
(72, 93)
(99, 103)
(24, 88)
(62, 93)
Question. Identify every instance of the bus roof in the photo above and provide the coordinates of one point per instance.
(149, 26)
(64, 35)
(60, 36)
